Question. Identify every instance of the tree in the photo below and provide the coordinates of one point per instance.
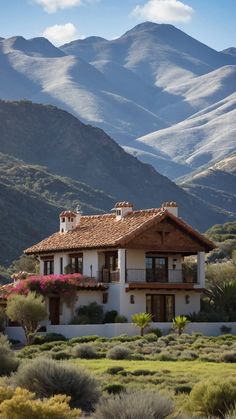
(28, 311)
(25, 263)
(223, 299)
(180, 323)
(141, 320)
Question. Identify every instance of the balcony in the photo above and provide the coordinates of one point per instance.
(107, 275)
(172, 276)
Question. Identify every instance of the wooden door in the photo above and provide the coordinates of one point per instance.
(161, 307)
(54, 310)
(156, 269)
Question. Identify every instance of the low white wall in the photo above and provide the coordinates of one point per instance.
(116, 329)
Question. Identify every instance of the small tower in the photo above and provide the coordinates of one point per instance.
(122, 209)
(172, 207)
(67, 221)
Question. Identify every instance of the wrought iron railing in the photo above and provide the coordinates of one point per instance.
(105, 275)
(172, 276)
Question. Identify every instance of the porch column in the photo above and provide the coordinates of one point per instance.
(122, 264)
(201, 269)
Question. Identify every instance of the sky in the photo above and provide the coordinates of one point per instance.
(213, 22)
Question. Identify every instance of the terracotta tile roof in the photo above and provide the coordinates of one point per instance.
(67, 214)
(124, 204)
(104, 231)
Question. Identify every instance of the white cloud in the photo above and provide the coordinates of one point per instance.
(52, 6)
(164, 11)
(60, 34)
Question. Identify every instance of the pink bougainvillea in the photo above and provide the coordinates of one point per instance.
(50, 284)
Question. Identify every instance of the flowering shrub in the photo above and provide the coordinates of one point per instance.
(49, 284)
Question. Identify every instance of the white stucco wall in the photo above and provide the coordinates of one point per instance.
(110, 330)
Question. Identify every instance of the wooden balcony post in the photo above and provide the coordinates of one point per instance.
(201, 269)
(122, 264)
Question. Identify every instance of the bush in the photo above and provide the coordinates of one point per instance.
(85, 351)
(225, 329)
(20, 403)
(2, 320)
(120, 319)
(228, 357)
(114, 388)
(156, 331)
(47, 377)
(150, 337)
(110, 316)
(49, 337)
(90, 314)
(60, 355)
(119, 352)
(114, 370)
(83, 339)
(143, 372)
(137, 405)
(213, 397)
(8, 362)
(188, 355)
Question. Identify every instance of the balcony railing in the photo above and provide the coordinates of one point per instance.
(108, 276)
(172, 276)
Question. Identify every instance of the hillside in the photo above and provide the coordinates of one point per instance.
(207, 136)
(30, 201)
(215, 184)
(85, 154)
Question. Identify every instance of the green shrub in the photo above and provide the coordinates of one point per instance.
(136, 405)
(188, 355)
(48, 337)
(183, 388)
(120, 319)
(110, 316)
(83, 339)
(114, 370)
(119, 352)
(85, 351)
(47, 377)
(213, 397)
(167, 356)
(8, 362)
(150, 337)
(114, 388)
(228, 356)
(60, 355)
(143, 372)
(156, 331)
(90, 314)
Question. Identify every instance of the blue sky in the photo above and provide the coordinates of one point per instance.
(210, 21)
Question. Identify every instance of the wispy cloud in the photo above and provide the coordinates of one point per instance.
(164, 11)
(61, 34)
(52, 6)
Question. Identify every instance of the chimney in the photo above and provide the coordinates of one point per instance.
(172, 207)
(122, 209)
(78, 213)
(67, 221)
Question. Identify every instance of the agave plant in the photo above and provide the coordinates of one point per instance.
(141, 320)
(180, 323)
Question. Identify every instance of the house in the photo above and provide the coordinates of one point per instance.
(131, 261)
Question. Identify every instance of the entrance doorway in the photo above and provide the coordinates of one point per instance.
(161, 307)
(54, 310)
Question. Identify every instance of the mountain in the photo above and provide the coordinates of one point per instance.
(207, 136)
(121, 86)
(231, 51)
(215, 184)
(30, 201)
(68, 148)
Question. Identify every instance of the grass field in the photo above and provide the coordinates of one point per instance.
(177, 377)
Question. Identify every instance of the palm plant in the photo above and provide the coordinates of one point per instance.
(141, 320)
(179, 324)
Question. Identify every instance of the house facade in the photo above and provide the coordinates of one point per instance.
(131, 261)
